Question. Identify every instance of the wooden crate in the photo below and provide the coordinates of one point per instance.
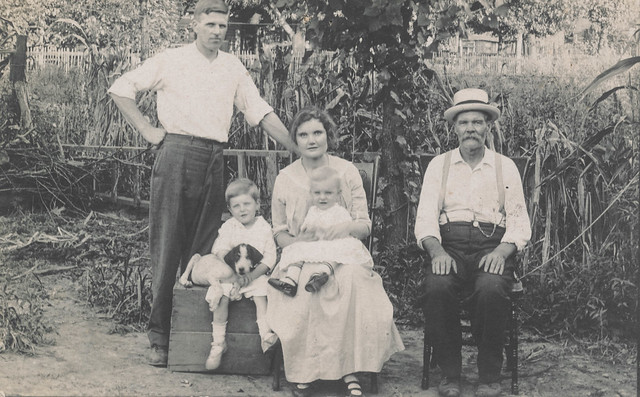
(190, 338)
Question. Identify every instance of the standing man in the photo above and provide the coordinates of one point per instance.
(471, 219)
(197, 87)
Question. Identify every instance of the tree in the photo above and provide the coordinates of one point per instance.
(391, 38)
(608, 18)
(520, 19)
(105, 23)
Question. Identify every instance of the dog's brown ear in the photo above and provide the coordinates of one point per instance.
(232, 256)
(254, 255)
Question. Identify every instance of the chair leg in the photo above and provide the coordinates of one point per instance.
(426, 360)
(374, 383)
(514, 350)
(277, 366)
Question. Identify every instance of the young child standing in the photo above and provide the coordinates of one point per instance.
(325, 212)
(246, 227)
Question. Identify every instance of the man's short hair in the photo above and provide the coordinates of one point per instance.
(209, 6)
(325, 173)
(241, 186)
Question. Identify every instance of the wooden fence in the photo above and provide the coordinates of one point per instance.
(65, 58)
(70, 59)
(127, 170)
(444, 62)
(558, 65)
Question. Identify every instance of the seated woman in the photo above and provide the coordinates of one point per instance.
(346, 326)
(325, 212)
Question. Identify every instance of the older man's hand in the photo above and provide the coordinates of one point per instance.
(442, 264)
(492, 263)
(495, 260)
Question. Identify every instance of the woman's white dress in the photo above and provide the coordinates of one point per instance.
(348, 325)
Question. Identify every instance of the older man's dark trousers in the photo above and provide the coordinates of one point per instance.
(485, 295)
(187, 200)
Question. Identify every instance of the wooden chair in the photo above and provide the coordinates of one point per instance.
(368, 168)
(517, 290)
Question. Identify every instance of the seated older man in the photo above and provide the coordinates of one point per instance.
(471, 219)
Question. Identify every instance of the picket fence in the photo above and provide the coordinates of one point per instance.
(62, 57)
(70, 59)
(443, 63)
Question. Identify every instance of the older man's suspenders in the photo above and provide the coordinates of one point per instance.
(445, 177)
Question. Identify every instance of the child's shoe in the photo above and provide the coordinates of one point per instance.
(215, 355)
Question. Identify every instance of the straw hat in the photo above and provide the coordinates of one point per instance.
(471, 99)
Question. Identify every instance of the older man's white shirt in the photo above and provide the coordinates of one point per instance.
(472, 195)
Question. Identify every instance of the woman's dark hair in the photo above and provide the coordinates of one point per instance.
(313, 113)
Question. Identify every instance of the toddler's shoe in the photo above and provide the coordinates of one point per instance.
(215, 355)
(286, 288)
(316, 281)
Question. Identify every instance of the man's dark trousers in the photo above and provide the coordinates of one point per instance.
(485, 295)
(187, 200)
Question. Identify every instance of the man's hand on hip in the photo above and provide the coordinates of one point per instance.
(153, 135)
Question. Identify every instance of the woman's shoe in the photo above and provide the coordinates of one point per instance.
(316, 281)
(286, 288)
(354, 389)
(302, 390)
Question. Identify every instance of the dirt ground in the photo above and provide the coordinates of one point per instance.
(88, 361)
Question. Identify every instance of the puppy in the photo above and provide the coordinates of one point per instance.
(208, 270)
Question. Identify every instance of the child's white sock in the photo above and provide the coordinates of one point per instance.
(218, 332)
(218, 346)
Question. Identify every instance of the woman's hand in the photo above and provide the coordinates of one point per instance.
(340, 230)
(307, 234)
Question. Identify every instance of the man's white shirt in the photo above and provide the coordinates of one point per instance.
(196, 96)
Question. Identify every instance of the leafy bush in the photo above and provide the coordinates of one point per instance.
(402, 271)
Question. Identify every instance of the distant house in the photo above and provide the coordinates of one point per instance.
(484, 43)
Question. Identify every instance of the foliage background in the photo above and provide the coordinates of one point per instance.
(579, 270)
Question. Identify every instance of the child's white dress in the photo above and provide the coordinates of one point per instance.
(348, 250)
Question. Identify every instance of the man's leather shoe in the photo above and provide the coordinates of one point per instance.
(158, 356)
(286, 288)
(449, 387)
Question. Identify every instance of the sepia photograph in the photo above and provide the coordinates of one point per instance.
(326, 198)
